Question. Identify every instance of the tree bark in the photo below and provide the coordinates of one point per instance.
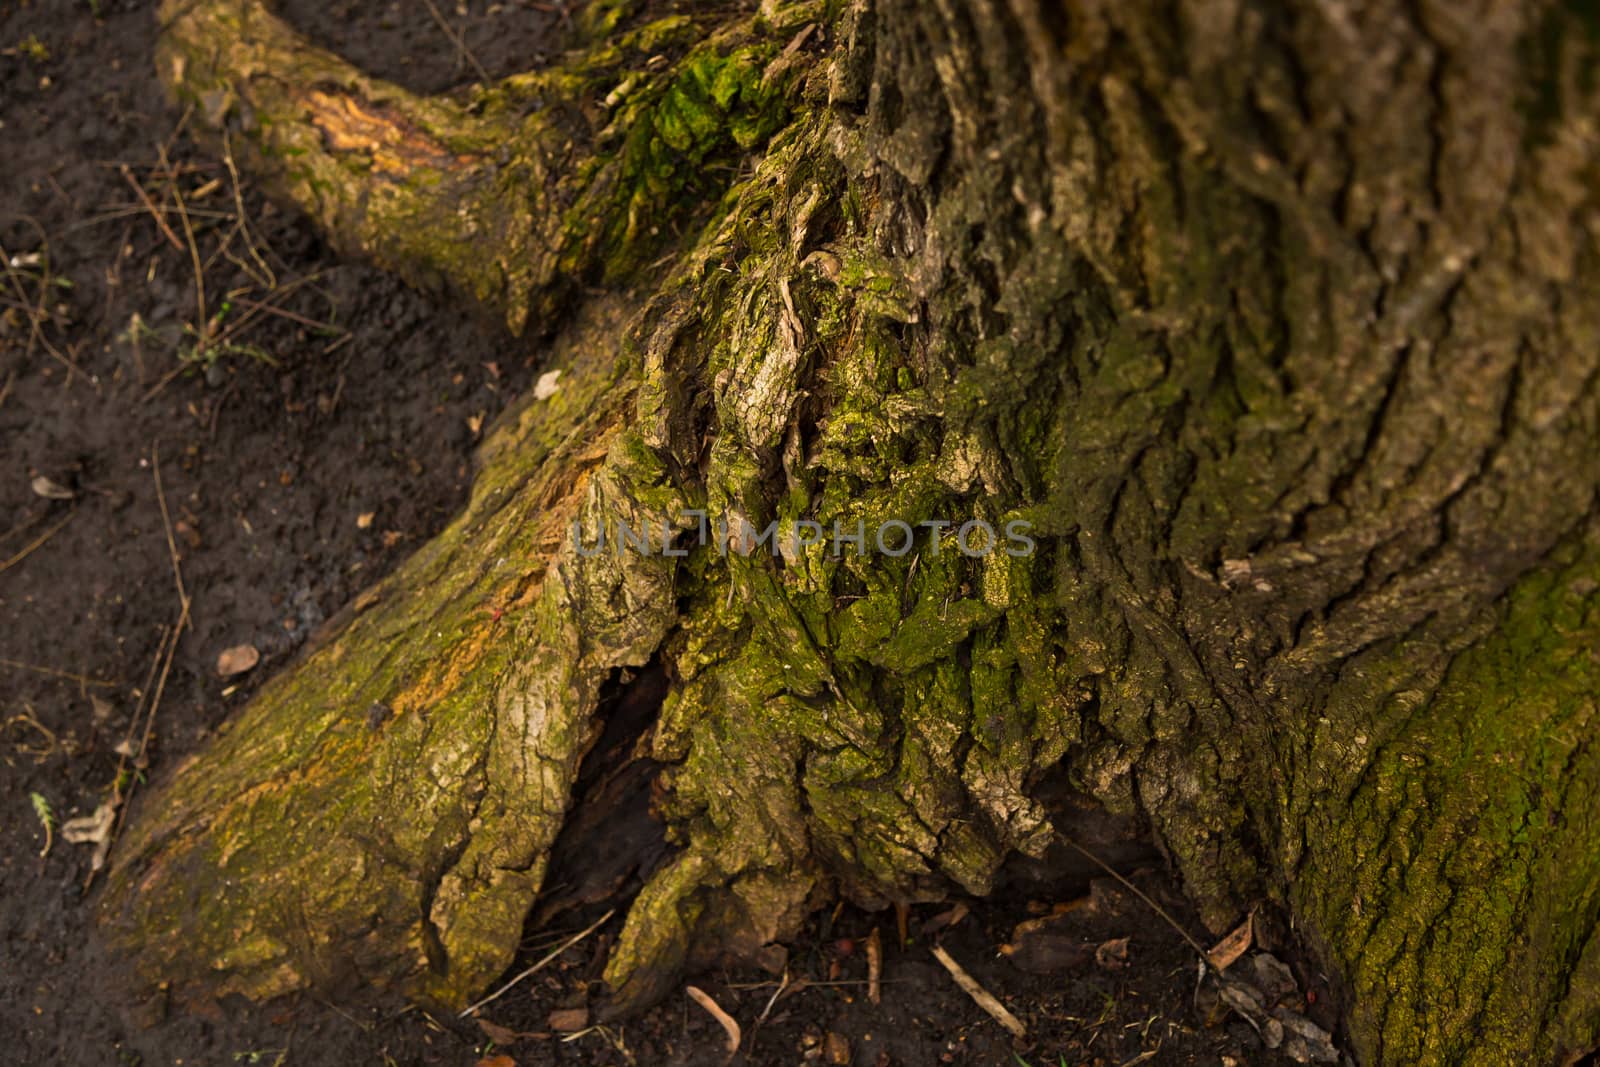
(1276, 323)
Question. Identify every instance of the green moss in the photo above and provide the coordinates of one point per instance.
(681, 135)
(1463, 853)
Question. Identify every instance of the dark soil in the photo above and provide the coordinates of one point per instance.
(300, 456)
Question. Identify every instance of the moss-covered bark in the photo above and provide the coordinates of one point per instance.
(510, 193)
(1277, 324)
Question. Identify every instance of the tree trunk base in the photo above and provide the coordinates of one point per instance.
(1300, 423)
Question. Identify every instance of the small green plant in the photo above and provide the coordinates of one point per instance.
(207, 353)
(126, 778)
(47, 817)
(212, 354)
(41, 292)
(138, 332)
(259, 1055)
(34, 48)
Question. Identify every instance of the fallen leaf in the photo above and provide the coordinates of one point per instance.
(500, 1035)
(237, 660)
(546, 386)
(364, 520)
(1112, 954)
(568, 1020)
(497, 1061)
(944, 919)
(1272, 977)
(836, 1048)
(1305, 1041)
(1108, 899)
(475, 422)
(1046, 946)
(1230, 948)
(44, 487)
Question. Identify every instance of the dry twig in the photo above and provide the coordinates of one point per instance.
(980, 995)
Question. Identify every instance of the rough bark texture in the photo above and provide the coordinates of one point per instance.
(1279, 324)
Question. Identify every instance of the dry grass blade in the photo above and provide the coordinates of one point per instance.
(772, 1001)
(727, 1022)
(292, 316)
(26, 523)
(544, 962)
(83, 680)
(166, 521)
(259, 307)
(38, 542)
(462, 52)
(1136, 891)
(150, 208)
(202, 325)
(268, 280)
(28, 719)
(183, 612)
(980, 995)
(36, 308)
(116, 804)
(227, 334)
